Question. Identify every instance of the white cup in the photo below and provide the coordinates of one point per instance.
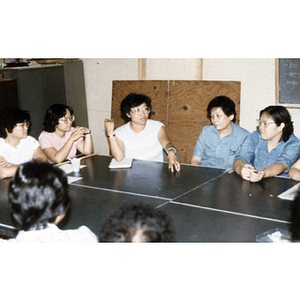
(75, 164)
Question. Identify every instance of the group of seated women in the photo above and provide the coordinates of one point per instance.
(271, 150)
(58, 141)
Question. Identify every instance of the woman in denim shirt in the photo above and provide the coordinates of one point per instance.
(271, 150)
(218, 143)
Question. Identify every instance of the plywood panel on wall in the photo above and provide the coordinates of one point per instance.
(179, 104)
(156, 90)
(187, 110)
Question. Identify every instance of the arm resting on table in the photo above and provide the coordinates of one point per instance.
(294, 171)
(195, 160)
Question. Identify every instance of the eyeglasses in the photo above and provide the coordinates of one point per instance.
(25, 124)
(138, 111)
(65, 120)
(264, 124)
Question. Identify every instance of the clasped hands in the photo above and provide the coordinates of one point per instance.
(248, 172)
(79, 132)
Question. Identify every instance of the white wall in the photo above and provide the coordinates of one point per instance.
(257, 78)
(99, 74)
(174, 69)
(258, 88)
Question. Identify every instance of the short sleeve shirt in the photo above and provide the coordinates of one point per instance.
(143, 145)
(23, 153)
(52, 234)
(255, 151)
(52, 140)
(217, 152)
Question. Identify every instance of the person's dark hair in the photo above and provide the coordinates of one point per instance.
(9, 117)
(294, 226)
(53, 114)
(280, 115)
(134, 100)
(38, 193)
(143, 222)
(225, 103)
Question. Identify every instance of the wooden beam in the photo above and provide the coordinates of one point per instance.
(199, 67)
(142, 66)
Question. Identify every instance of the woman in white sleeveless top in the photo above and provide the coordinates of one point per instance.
(140, 138)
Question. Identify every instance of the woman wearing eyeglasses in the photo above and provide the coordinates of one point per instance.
(140, 138)
(271, 150)
(60, 140)
(16, 147)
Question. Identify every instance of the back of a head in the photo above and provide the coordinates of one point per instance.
(137, 223)
(38, 193)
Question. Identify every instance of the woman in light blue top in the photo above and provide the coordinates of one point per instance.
(271, 150)
(218, 143)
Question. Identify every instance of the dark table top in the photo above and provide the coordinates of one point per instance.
(205, 204)
(197, 224)
(144, 177)
(231, 193)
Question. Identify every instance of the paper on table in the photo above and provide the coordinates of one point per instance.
(73, 179)
(290, 193)
(68, 168)
(125, 163)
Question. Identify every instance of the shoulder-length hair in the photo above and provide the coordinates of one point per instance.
(53, 114)
(280, 115)
(9, 118)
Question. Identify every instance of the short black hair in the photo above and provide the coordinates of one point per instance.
(130, 220)
(53, 114)
(38, 193)
(134, 100)
(9, 117)
(225, 103)
(280, 115)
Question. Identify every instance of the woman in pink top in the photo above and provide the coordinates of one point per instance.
(60, 140)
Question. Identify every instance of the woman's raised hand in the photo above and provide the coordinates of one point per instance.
(109, 126)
